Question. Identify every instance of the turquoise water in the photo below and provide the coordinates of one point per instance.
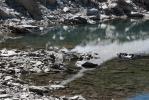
(120, 31)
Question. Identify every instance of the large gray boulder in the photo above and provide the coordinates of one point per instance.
(30, 8)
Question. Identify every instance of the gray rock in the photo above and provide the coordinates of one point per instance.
(38, 89)
(2, 91)
(66, 9)
(76, 20)
(89, 65)
(92, 12)
(8, 78)
(5, 96)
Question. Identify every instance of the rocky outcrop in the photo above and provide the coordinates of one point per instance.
(54, 12)
(26, 7)
(142, 3)
(4, 14)
(48, 2)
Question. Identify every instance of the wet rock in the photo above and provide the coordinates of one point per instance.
(38, 89)
(89, 65)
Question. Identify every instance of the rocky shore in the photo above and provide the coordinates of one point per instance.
(36, 16)
(15, 63)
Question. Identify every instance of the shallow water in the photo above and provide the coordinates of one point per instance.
(140, 97)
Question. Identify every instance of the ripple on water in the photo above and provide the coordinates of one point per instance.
(140, 97)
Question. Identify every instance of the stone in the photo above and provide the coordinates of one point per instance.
(2, 91)
(38, 63)
(66, 9)
(7, 78)
(36, 70)
(38, 89)
(89, 65)
(7, 53)
(4, 15)
(137, 15)
(56, 87)
(32, 7)
(5, 96)
(92, 12)
(76, 20)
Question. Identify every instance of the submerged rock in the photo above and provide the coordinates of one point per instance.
(38, 89)
(89, 65)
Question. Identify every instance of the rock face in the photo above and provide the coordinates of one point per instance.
(4, 15)
(26, 6)
(142, 3)
(48, 2)
(32, 7)
(52, 12)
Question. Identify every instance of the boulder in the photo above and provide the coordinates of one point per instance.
(122, 8)
(18, 29)
(75, 20)
(137, 15)
(89, 65)
(92, 12)
(25, 7)
(38, 89)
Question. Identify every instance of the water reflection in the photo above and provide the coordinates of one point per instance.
(140, 97)
(119, 31)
